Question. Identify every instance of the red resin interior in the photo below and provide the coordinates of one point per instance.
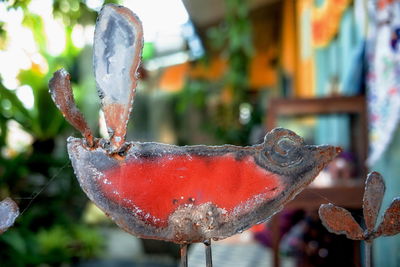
(155, 188)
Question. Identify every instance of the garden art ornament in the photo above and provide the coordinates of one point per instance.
(340, 221)
(181, 194)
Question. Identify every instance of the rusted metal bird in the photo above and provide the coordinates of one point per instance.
(182, 194)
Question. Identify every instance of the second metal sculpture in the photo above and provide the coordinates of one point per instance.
(179, 194)
(340, 221)
(9, 212)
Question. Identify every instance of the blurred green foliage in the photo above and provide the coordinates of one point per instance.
(50, 229)
(221, 101)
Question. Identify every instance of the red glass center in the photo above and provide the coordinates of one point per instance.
(155, 187)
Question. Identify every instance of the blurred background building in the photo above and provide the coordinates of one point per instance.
(213, 72)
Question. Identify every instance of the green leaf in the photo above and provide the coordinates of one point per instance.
(14, 240)
(18, 111)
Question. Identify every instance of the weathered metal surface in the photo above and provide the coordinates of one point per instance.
(372, 201)
(61, 93)
(193, 193)
(390, 224)
(9, 212)
(118, 43)
(179, 194)
(339, 221)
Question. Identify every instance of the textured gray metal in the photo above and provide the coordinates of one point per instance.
(9, 212)
(372, 201)
(197, 222)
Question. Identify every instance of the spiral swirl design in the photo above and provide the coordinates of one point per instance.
(284, 150)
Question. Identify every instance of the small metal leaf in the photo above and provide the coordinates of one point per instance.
(9, 211)
(61, 93)
(340, 221)
(373, 195)
(118, 43)
(390, 224)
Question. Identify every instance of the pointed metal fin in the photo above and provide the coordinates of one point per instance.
(373, 196)
(118, 43)
(61, 93)
(390, 224)
(340, 221)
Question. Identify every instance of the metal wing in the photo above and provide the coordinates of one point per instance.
(118, 42)
(61, 93)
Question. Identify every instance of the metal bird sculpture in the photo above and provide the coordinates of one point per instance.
(182, 194)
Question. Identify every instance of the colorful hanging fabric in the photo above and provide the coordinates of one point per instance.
(326, 21)
(383, 78)
(331, 45)
(331, 49)
(305, 76)
(289, 38)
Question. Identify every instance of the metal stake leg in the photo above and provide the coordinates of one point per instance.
(208, 253)
(184, 262)
(368, 255)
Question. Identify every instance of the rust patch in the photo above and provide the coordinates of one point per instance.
(391, 220)
(116, 116)
(61, 93)
(373, 196)
(340, 221)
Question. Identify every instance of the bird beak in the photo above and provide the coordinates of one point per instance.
(325, 154)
